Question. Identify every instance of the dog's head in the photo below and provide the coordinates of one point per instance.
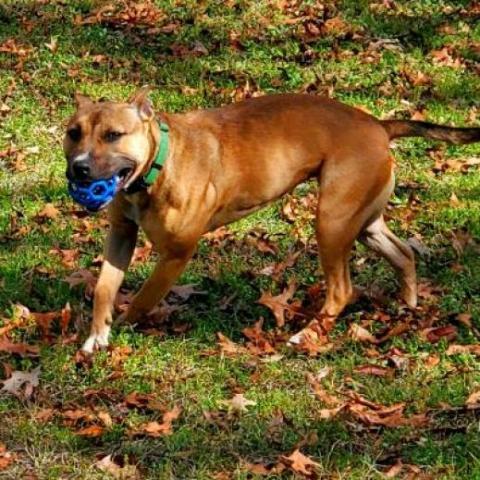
(104, 139)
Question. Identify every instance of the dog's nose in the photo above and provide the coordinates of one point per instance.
(81, 170)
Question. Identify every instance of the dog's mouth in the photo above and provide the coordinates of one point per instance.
(124, 176)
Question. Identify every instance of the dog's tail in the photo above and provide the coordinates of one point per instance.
(411, 128)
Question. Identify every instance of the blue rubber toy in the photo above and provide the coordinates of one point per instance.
(94, 195)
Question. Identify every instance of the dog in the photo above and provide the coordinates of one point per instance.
(219, 165)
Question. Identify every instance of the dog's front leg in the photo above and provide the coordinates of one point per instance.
(168, 268)
(119, 248)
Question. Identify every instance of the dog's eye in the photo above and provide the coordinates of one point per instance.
(75, 134)
(112, 136)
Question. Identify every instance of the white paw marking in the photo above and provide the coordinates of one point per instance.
(97, 340)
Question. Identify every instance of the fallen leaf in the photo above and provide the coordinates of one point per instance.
(473, 400)
(432, 361)
(92, 431)
(27, 380)
(394, 470)
(258, 344)
(184, 292)
(360, 334)
(238, 403)
(227, 347)
(300, 463)
(6, 457)
(435, 334)
(278, 304)
(321, 394)
(124, 471)
(156, 429)
(53, 44)
(455, 349)
(374, 370)
(83, 277)
(49, 211)
(22, 349)
(105, 418)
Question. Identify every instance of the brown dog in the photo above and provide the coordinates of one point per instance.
(221, 165)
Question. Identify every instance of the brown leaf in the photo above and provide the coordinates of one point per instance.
(360, 334)
(184, 292)
(321, 394)
(435, 334)
(6, 457)
(156, 429)
(83, 277)
(44, 415)
(49, 211)
(44, 320)
(276, 270)
(65, 318)
(432, 361)
(105, 418)
(227, 347)
(278, 304)
(465, 319)
(22, 349)
(143, 401)
(259, 344)
(238, 403)
(92, 431)
(300, 463)
(22, 384)
(473, 349)
(374, 370)
(123, 471)
(394, 470)
(68, 257)
(473, 400)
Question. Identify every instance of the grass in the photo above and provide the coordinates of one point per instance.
(372, 62)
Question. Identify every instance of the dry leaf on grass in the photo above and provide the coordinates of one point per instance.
(300, 463)
(473, 400)
(124, 471)
(227, 347)
(22, 349)
(92, 431)
(435, 334)
(6, 457)
(278, 304)
(374, 370)
(473, 349)
(22, 384)
(48, 211)
(360, 334)
(157, 429)
(238, 403)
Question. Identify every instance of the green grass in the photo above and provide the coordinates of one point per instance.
(105, 60)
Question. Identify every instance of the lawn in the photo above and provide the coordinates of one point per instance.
(391, 392)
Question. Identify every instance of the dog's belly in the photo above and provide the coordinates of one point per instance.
(242, 205)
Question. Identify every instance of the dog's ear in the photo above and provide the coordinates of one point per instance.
(143, 104)
(82, 100)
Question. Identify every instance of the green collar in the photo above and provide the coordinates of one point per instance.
(150, 177)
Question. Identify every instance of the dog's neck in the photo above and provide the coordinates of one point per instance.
(158, 138)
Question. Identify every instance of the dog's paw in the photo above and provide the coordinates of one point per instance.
(97, 340)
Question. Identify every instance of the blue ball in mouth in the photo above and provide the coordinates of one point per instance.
(94, 195)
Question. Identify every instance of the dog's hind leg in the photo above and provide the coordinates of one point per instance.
(380, 239)
(345, 205)
(120, 244)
